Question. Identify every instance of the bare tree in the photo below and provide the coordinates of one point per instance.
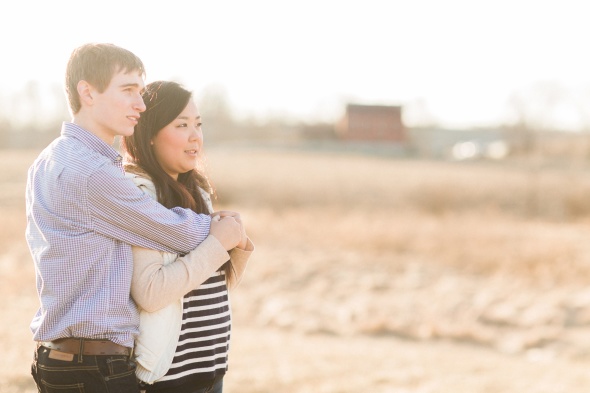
(216, 112)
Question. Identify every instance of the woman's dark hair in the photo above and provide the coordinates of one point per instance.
(164, 102)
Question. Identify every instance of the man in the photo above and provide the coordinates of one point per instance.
(83, 215)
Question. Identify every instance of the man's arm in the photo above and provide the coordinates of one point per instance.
(121, 211)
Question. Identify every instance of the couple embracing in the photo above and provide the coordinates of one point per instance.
(133, 265)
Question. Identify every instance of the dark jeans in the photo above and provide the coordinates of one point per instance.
(216, 388)
(83, 374)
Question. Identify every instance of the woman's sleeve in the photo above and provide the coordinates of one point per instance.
(155, 285)
(239, 260)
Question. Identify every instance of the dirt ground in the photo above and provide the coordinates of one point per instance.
(428, 302)
(273, 360)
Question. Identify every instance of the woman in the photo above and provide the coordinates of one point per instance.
(185, 318)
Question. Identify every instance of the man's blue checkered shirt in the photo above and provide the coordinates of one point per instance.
(83, 215)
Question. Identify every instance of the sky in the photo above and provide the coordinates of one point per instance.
(459, 63)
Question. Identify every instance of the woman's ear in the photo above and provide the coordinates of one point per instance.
(85, 93)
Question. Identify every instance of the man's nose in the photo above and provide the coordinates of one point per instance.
(139, 104)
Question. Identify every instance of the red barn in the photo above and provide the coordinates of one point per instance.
(372, 123)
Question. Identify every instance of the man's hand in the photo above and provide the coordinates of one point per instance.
(227, 230)
(243, 243)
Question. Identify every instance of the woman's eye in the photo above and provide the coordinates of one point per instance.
(183, 125)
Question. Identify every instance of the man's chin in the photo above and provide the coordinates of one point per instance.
(126, 132)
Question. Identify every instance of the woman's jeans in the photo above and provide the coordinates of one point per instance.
(216, 388)
(63, 373)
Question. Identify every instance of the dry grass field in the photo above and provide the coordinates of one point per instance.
(377, 274)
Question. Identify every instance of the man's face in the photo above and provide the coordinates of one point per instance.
(117, 109)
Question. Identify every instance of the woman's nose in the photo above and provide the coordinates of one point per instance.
(196, 134)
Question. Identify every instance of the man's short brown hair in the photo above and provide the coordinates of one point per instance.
(97, 64)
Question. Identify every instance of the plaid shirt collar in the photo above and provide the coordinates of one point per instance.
(90, 140)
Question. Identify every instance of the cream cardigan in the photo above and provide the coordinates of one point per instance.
(160, 280)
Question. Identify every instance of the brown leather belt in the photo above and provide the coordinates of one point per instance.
(84, 346)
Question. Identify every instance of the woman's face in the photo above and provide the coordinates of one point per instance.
(178, 145)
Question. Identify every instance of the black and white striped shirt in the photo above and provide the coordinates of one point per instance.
(202, 350)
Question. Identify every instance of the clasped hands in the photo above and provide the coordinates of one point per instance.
(228, 228)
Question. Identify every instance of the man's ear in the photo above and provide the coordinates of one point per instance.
(85, 91)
